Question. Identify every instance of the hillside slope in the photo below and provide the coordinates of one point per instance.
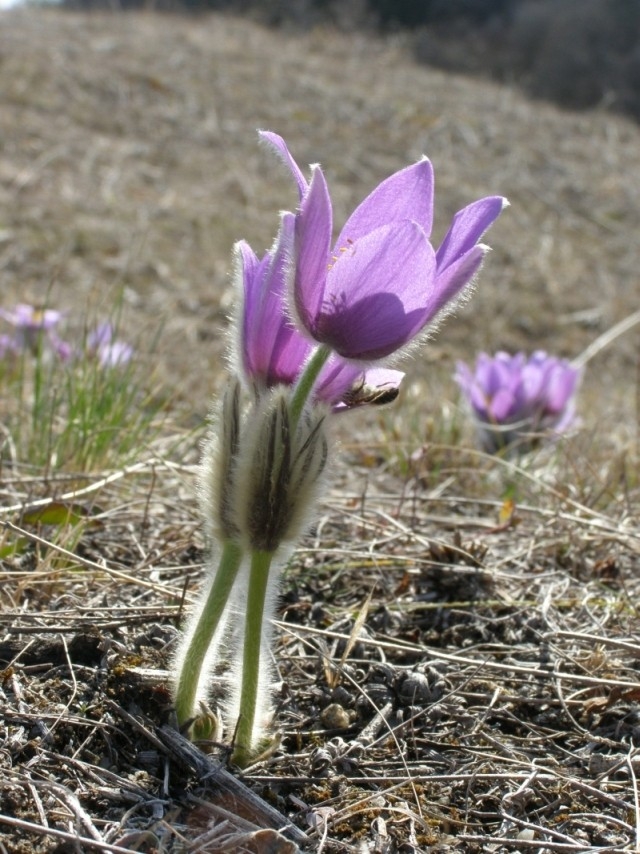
(129, 159)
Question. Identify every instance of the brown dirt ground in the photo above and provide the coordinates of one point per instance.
(488, 698)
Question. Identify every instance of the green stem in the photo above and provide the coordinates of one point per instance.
(258, 581)
(208, 622)
(307, 378)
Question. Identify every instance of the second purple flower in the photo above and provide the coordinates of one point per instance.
(517, 400)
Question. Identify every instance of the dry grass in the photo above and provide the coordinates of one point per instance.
(129, 160)
(450, 678)
(458, 645)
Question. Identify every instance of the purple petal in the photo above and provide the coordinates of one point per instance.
(383, 378)
(472, 389)
(487, 374)
(561, 386)
(102, 334)
(375, 295)
(115, 354)
(272, 350)
(408, 194)
(467, 227)
(8, 345)
(455, 278)
(278, 144)
(533, 381)
(251, 272)
(314, 225)
(346, 385)
(503, 406)
(336, 378)
(290, 352)
(30, 319)
(566, 418)
(63, 350)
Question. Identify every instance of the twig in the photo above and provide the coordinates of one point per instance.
(636, 799)
(89, 844)
(207, 768)
(514, 843)
(633, 648)
(606, 338)
(90, 564)
(74, 805)
(138, 468)
(438, 655)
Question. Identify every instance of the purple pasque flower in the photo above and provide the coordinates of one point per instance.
(516, 399)
(109, 352)
(382, 282)
(271, 350)
(30, 323)
(29, 317)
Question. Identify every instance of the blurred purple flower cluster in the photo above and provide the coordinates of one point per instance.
(35, 330)
(30, 328)
(109, 351)
(518, 400)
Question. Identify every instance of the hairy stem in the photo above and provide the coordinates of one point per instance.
(306, 381)
(209, 620)
(258, 582)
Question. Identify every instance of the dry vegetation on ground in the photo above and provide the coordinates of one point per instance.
(457, 673)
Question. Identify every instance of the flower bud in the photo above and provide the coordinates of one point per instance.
(279, 472)
(217, 470)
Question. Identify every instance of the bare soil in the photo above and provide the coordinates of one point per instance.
(449, 681)
(458, 644)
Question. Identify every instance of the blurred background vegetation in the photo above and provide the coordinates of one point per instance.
(577, 53)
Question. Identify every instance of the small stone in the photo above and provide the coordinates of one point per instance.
(415, 689)
(335, 716)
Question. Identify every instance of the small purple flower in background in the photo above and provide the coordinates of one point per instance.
(8, 346)
(110, 353)
(271, 349)
(34, 327)
(63, 349)
(383, 282)
(517, 400)
(30, 324)
(116, 354)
